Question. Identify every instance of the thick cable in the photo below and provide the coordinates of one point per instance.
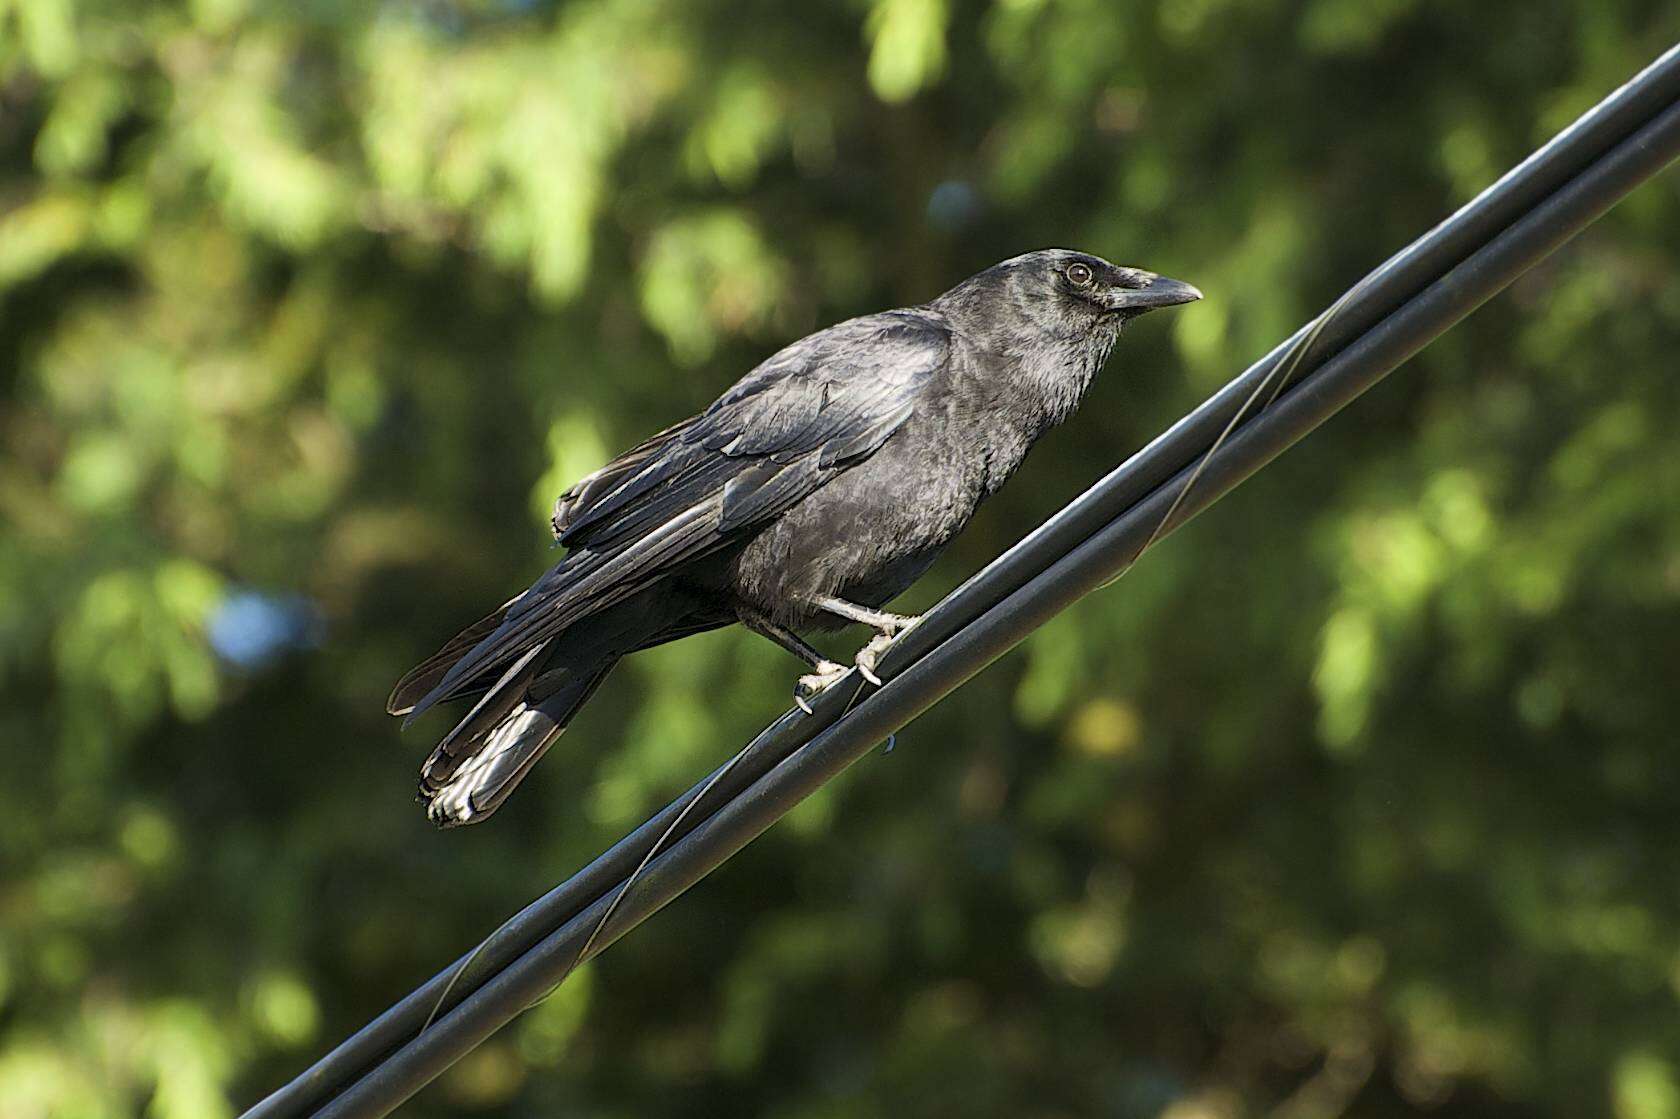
(1388, 316)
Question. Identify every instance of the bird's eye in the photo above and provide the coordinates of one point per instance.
(1079, 275)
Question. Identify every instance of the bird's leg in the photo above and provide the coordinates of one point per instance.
(886, 626)
(827, 673)
(880, 621)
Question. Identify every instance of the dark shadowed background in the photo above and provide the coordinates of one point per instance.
(1358, 797)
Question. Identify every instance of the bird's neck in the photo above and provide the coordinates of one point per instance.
(1034, 374)
(1053, 374)
(1038, 380)
(1016, 394)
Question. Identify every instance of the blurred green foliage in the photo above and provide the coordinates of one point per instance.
(1358, 796)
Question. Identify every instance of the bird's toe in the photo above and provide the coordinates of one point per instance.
(810, 686)
(901, 624)
(870, 655)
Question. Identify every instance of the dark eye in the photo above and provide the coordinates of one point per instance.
(1079, 275)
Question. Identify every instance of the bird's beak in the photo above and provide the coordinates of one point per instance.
(1160, 292)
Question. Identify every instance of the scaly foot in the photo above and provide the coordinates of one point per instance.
(827, 675)
(870, 655)
(891, 625)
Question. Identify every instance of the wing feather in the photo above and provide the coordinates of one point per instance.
(770, 486)
(592, 489)
(423, 677)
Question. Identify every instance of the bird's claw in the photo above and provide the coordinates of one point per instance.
(827, 675)
(870, 655)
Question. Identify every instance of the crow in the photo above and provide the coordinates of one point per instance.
(813, 492)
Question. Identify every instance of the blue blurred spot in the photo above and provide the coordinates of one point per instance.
(953, 204)
(1142, 1090)
(251, 628)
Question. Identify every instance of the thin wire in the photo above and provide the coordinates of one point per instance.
(659, 845)
(635, 875)
(1294, 356)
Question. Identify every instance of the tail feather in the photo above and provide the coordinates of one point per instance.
(498, 702)
(470, 774)
(526, 692)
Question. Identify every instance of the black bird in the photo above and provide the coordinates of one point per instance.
(808, 496)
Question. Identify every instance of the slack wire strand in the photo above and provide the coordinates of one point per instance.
(1380, 322)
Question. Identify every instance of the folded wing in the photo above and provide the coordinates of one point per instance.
(807, 413)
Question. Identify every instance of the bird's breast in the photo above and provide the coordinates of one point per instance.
(873, 529)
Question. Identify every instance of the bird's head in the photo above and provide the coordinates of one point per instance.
(1082, 291)
(1065, 293)
(1056, 313)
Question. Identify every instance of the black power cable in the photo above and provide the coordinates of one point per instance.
(1399, 308)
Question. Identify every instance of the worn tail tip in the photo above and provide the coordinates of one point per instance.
(474, 788)
(444, 815)
(451, 805)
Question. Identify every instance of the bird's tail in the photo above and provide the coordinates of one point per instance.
(490, 751)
